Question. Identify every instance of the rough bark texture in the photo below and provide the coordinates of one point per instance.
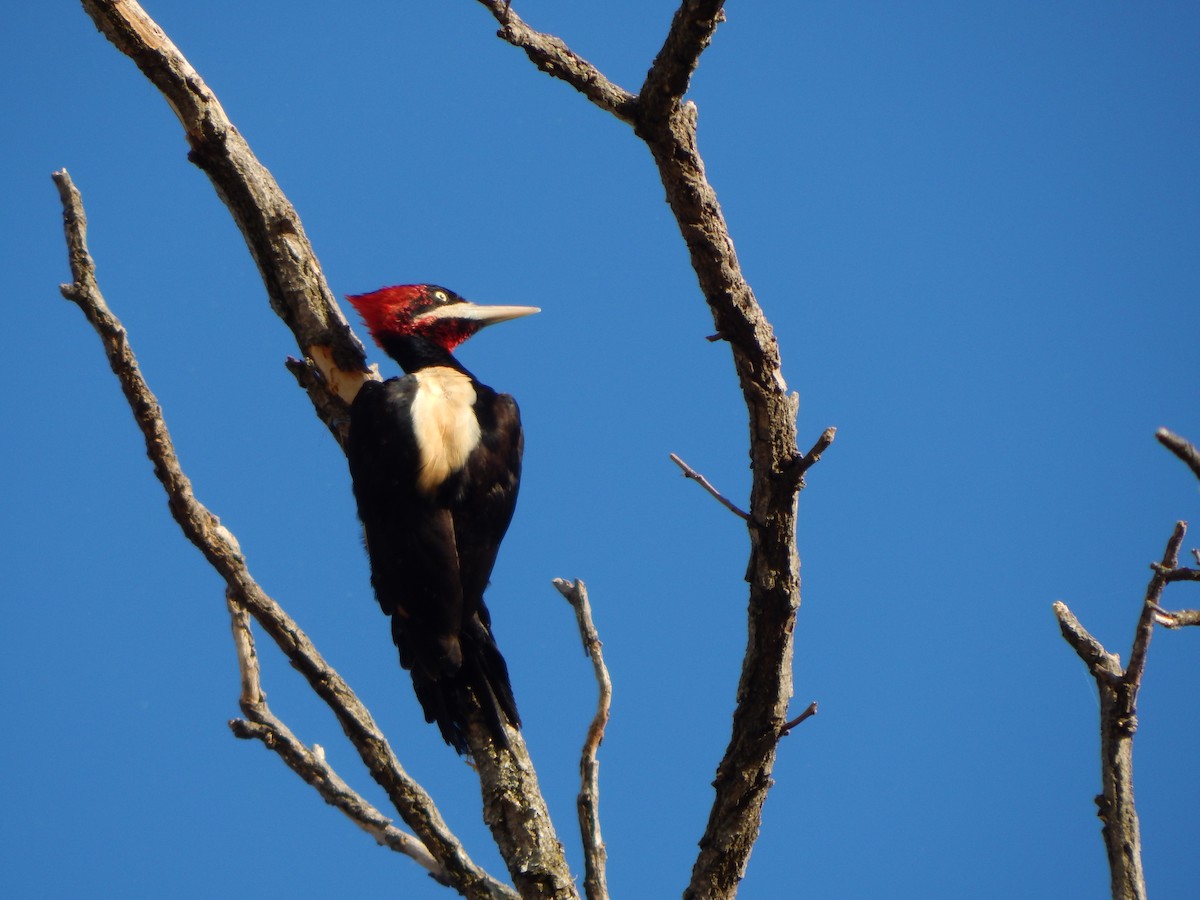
(333, 370)
(334, 367)
(290, 271)
(667, 124)
(744, 774)
(1118, 689)
(1181, 447)
(518, 817)
(587, 804)
(262, 724)
(1115, 804)
(224, 554)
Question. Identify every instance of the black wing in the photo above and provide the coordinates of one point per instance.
(483, 495)
(410, 537)
(482, 500)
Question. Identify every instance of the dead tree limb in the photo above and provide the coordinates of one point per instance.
(1179, 619)
(1187, 452)
(595, 855)
(691, 473)
(660, 117)
(809, 712)
(1181, 447)
(334, 367)
(333, 371)
(223, 553)
(555, 58)
(1118, 688)
(309, 763)
(221, 549)
(290, 271)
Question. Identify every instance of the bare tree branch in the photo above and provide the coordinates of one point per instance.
(595, 882)
(795, 468)
(221, 550)
(301, 297)
(1118, 690)
(744, 774)
(1181, 447)
(1115, 805)
(1100, 663)
(691, 473)
(691, 32)
(1118, 697)
(268, 221)
(813, 456)
(330, 408)
(1179, 619)
(809, 712)
(556, 59)
(1145, 626)
(310, 764)
(668, 126)
(517, 815)
(1181, 574)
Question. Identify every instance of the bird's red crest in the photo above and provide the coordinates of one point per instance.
(390, 310)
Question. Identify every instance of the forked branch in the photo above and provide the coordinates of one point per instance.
(667, 124)
(310, 764)
(221, 550)
(692, 30)
(290, 271)
(555, 58)
(1118, 688)
(595, 882)
(333, 370)
(334, 366)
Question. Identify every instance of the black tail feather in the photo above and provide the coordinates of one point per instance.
(484, 675)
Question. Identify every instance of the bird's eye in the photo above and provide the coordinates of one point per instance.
(439, 296)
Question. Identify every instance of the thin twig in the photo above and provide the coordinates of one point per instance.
(1181, 447)
(1181, 574)
(809, 712)
(794, 469)
(1178, 618)
(691, 473)
(1145, 626)
(595, 881)
(221, 549)
(813, 456)
(310, 764)
(556, 59)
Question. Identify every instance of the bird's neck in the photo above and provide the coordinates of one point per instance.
(414, 352)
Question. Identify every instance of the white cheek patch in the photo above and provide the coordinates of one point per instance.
(444, 421)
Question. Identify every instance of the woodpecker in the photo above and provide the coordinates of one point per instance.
(435, 459)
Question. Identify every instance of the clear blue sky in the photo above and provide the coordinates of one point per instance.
(975, 229)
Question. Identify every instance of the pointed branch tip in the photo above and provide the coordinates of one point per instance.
(809, 712)
(691, 473)
(1181, 447)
